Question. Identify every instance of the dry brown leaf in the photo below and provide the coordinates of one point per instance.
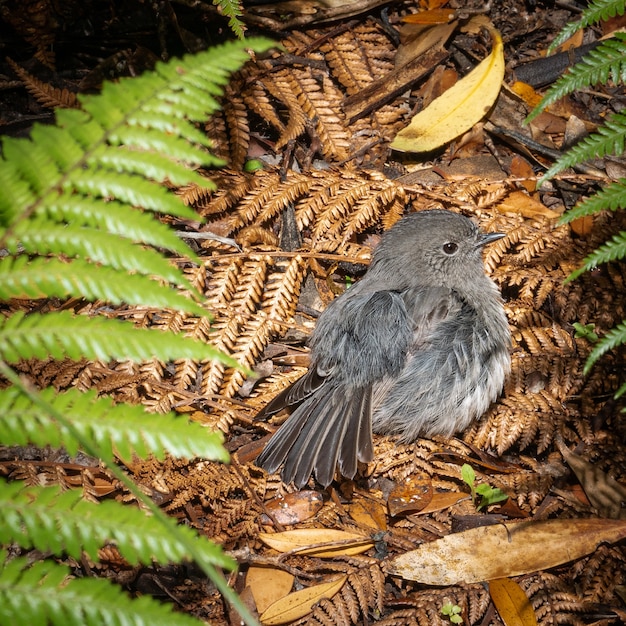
(268, 585)
(292, 508)
(368, 513)
(315, 541)
(299, 603)
(520, 202)
(412, 495)
(512, 603)
(582, 226)
(504, 550)
(459, 108)
(441, 501)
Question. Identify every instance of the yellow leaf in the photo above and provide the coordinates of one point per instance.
(503, 550)
(268, 585)
(299, 603)
(512, 603)
(315, 540)
(459, 108)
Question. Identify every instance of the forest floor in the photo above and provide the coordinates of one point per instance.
(310, 183)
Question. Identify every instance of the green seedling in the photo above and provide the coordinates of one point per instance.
(585, 331)
(452, 612)
(483, 495)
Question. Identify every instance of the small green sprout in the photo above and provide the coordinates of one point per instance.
(585, 332)
(488, 495)
(452, 612)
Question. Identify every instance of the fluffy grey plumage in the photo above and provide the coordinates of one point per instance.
(419, 346)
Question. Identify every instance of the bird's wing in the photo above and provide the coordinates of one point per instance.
(364, 338)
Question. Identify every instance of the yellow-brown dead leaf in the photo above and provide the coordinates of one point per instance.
(299, 603)
(318, 541)
(512, 603)
(504, 550)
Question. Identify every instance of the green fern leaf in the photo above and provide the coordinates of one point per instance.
(598, 10)
(615, 337)
(118, 219)
(47, 594)
(44, 278)
(608, 140)
(62, 522)
(42, 237)
(121, 429)
(610, 251)
(232, 10)
(153, 165)
(60, 335)
(607, 61)
(611, 198)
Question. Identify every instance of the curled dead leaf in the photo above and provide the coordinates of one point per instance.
(318, 541)
(459, 108)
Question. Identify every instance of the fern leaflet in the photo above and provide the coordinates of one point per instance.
(615, 337)
(46, 593)
(611, 198)
(610, 251)
(598, 10)
(60, 334)
(608, 140)
(27, 512)
(605, 62)
(117, 429)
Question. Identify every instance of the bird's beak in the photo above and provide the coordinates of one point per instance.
(487, 238)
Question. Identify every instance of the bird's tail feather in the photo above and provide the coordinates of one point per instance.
(326, 428)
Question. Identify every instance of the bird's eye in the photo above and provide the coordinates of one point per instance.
(450, 247)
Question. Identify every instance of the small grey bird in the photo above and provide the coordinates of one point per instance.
(419, 346)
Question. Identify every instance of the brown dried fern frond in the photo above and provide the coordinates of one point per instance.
(46, 94)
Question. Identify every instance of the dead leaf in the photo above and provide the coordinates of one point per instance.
(523, 204)
(268, 585)
(512, 603)
(315, 540)
(293, 507)
(582, 226)
(368, 513)
(432, 16)
(299, 603)
(526, 93)
(503, 550)
(441, 501)
(459, 108)
(521, 168)
(412, 495)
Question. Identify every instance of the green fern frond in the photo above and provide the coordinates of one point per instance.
(118, 429)
(611, 198)
(610, 251)
(46, 594)
(135, 118)
(615, 337)
(27, 514)
(22, 277)
(60, 335)
(232, 10)
(607, 61)
(116, 220)
(597, 11)
(39, 236)
(608, 140)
